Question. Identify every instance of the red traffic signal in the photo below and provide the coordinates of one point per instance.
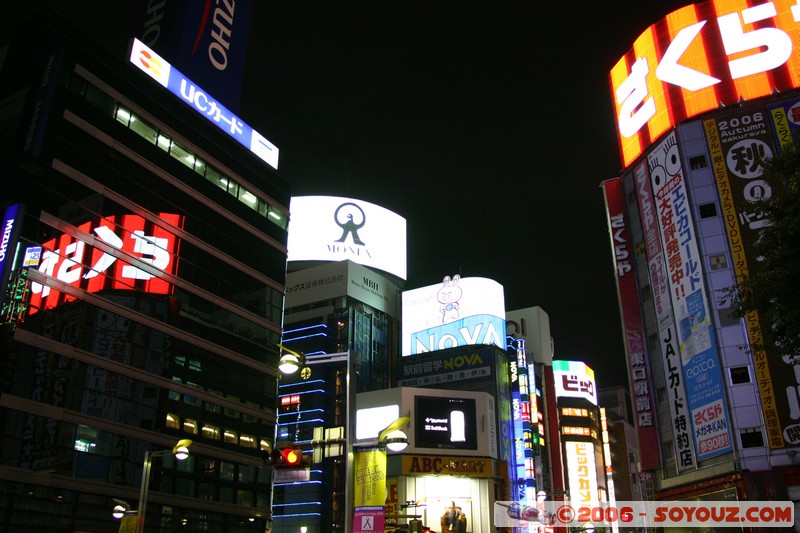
(284, 457)
(291, 457)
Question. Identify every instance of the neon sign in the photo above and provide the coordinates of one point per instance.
(94, 268)
(698, 57)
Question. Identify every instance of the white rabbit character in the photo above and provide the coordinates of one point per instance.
(448, 296)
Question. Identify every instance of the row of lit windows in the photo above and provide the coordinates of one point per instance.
(212, 407)
(209, 431)
(573, 411)
(579, 431)
(199, 165)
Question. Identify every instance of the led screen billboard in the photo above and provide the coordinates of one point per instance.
(698, 57)
(120, 252)
(457, 312)
(332, 228)
(445, 423)
(574, 379)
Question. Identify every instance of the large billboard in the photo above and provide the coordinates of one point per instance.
(739, 142)
(581, 473)
(332, 228)
(633, 328)
(202, 102)
(457, 312)
(574, 379)
(680, 417)
(698, 57)
(124, 252)
(206, 40)
(690, 304)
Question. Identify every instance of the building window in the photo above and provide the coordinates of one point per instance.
(739, 375)
(708, 210)
(647, 293)
(190, 426)
(697, 162)
(247, 441)
(751, 438)
(727, 317)
(230, 437)
(661, 394)
(211, 432)
(717, 262)
(173, 421)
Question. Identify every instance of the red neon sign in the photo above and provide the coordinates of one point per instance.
(699, 57)
(86, 265)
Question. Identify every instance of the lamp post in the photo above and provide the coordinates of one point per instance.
(180, 451)
(291, 362)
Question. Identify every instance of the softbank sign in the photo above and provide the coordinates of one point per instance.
(331, 228)
(457, 312)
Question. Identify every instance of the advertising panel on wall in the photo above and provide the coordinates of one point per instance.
(445, 423)
(739, 143)
(581, 473)
(785, 119)
(633, 329)
(206, 40)
(430, 369)
(574, 379)
(688, 293)
(203, 103)
(339, 279)
(697, 57)
(457, 312)
(332, 228)
(127, 252)
(9, 232)
(683, 441)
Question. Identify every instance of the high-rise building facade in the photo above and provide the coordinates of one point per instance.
(146, 272)
(705, 96)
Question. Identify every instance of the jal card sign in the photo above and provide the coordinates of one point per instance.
(123, 252)
(332, 228)
(574, 379)
(457, 312)
(171, 78)
(699, 355)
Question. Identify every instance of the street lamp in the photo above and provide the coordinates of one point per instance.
(180, 451)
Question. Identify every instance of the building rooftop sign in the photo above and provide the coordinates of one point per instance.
(171, 78)
(698, 58)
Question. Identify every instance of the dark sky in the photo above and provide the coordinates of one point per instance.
(487, 125)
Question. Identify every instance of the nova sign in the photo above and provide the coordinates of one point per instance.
(701, 56)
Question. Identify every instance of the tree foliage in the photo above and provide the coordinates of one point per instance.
(772, 287)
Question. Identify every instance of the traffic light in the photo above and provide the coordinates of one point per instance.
(285, 456)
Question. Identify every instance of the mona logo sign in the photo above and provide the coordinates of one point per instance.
(331, 228)
(701, 56)
(123, 252)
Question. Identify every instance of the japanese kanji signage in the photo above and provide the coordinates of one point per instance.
(160, 70)
(633, 329)
(696, 339)
(680, 417)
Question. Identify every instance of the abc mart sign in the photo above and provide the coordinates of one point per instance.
(701, 56)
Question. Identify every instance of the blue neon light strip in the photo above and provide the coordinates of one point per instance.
(325, 326)
(305, 337)
(299, 383)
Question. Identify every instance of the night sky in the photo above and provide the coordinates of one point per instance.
(487, 125)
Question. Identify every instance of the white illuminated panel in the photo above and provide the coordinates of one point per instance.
(175, 82)
(456, 312)
(574, 379)
(371, 421)
(582, 472)
(332, 228)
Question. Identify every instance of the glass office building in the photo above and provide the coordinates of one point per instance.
(144, 270)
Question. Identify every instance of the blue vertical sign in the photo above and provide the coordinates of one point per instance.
(9, 231)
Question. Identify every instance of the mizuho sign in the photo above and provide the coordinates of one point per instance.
(699, 56)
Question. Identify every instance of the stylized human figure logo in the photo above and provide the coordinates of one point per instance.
(448, 295)
(350, 227)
